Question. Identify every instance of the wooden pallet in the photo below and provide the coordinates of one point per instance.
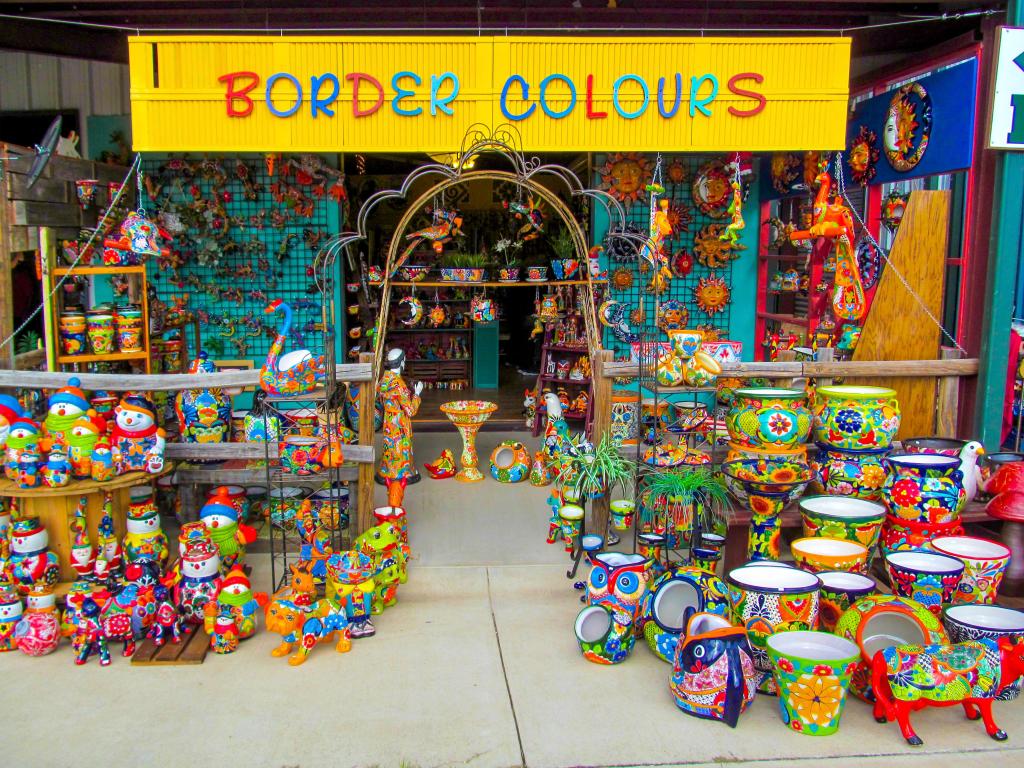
(191, 650)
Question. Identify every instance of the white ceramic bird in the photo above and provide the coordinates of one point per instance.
(969, 456)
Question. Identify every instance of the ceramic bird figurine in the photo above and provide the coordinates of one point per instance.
(443, 468)
(556, 430)
(969, 456)
(295, 372)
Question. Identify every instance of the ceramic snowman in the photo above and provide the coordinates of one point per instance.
(82, 439)
(136, 442)
(101, 463)
(144, 537)
(220, 517)
(10, 615)
(237, 600)
(38, 632)
(23, 436)
(63, 409)
(31, 562)
(29, 470)
(10, 411)
(199, 581)
(57, 470)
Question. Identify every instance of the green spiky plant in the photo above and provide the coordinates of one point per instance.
(690, 496)
(562, 244)
(595, 470)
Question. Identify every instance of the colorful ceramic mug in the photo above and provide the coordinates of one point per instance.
(984, 562)
(927, 577)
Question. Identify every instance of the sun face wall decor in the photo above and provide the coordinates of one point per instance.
(624, 176)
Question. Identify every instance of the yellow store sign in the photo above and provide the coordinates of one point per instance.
(400, 94)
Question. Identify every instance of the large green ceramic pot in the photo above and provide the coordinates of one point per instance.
(769, 417)
(856, 418)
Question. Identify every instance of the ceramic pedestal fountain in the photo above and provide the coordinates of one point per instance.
(766, 486)
(468, 416)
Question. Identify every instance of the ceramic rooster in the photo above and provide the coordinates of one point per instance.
(295, 372)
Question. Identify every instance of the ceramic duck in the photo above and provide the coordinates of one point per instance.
(969, 456)
(294, 372)
(443, 468)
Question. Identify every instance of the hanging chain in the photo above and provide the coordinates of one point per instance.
(841, 185)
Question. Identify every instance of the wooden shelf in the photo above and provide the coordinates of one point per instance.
(556, 380)
(520, 284)
(113, 357)
(115, 270)
(559, 348)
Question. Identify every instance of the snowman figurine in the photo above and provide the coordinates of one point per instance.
(199, 580)
(136, 442)
(10, 615)
(220, 517)
(63, 409)
(144, 538)
(31, 562)
(57, 470)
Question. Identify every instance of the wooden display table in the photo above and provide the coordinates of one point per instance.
(55, 507)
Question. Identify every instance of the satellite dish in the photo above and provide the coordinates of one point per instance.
(43, 151)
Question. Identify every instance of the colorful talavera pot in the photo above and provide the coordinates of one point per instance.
(737, 451)
(841, 517)
(769, 417)
(822, 553)
(622, 512)
(924, 488)
(615, 588)
(840, 590)
(905, 535)
(510, 462)
(625, 424)
(856, 418)
(812, 671)
(300, 455)
(672, 598)
(765, 600)
(984, 562)
(974, 622)
(860, 474)
(929, 578)
(877, 622)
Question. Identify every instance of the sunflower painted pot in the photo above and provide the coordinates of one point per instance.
(510, 462)
(840, 590)
(765, 487)
(924, 488)
(821, 553)
(840, 517)
(766, 599)
(856, 418)
(812, 671)
(672, 599)
(929, 578)
(984, 562)
(905, 535)
(769, 417)
(877, 622)
(860, 474)
(739, 451)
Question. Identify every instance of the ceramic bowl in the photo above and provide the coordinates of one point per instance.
(943, 446)
(812, 671)
(299, 455)
(820, 553)
(984, 562)
(927, 577)
(536, 274)
(971, 622)
(842, 517)
(840, 590)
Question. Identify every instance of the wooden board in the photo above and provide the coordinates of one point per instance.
(897, 328)
(191, 650)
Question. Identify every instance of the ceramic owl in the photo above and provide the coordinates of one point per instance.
(617, 584)
(713, 675)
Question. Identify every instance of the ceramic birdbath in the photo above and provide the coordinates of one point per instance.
(468, 416)
(766, 486)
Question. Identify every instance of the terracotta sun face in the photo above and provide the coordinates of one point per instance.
(624, 175)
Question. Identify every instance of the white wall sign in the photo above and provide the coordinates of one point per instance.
(1006, 130)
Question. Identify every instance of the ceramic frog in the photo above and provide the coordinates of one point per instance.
(383, 545)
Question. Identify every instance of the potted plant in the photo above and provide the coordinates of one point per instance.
(591, 471)
(536, 268)
(461, 267)
(565, 265)
(688, 498)
(509, 260)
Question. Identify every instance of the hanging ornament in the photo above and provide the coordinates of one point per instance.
(652, 252)
(863, 156)
(785, 169)
(437, 316)
(624, 176)
(869, 262)
(893, 207)
(908, 127)
(620, 247)
(622, 279)
(736, 224)
(682, 263)
(677, 172)
(711, 189)
(482, 309)
(612, 314)
(679, 217)
(712, 294)
(410, 311)
(673, 315)
(710, 249)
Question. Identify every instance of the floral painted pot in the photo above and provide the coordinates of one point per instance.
(855, 417)
(625, 424)
(840, 517)
(616, 587)
(769, 418)
(797, 454)
(812, 671)
(510, 462)
(672, 599)
(984, 562)
(100, 330)
(821, 553)
(299, 455)
(508, 274)
(684, 416)
(536, 274)
(840, 590)
(686, 343)
(565, 269)
(906, 536)
(860, 474)
(974, 622)
(668, 370)
(765, 600)
(928, 578)
(924, 488)
(877, 622)
(622, 512)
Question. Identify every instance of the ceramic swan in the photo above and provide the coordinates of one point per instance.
(292, 373)
(969, 456)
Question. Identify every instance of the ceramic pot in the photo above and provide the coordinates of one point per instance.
(259, 428)
(941, 446)
(669, 369)
(765, 600)
(510, 462)
(738, 451)
(565, 269)
(860, 474)
(856, 417)
(877, 622)
(684, 416)
(536, 274)
(299, 455)
(302, 421)
(768, 418)
(508, 274)
(701, 370)
(985, 562)
(394, 515)
(904, 535)
(712, 541)
(129, 331)
(671, 600)
(73, 333)
(622, 512)
(929, 578)
(625, 424)
(840, 517)
(713, 675)
(924, 488)
(616, 587)
(840, 590)
(100, 330)
(283, 506)
(571, 516)
(974, 622)
(820, 553)
(540, 472)
(705, 559)
(812, 671)
(685, 343)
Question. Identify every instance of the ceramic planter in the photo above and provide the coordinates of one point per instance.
(510, 462)
(737, 451)
(840, 590)
(984, 562)
(974, 622)
(615, 588)
(565, 269)
(765, 486)
(812, 671)
(684, 416)
(904, 535)
(508, 274)
(536, 274)
(821, 553)
(625, 424)
(685, 343)
(672, 599)
(877, 622)
(765, 600)
(622, 512)
(100, 330)
(855, 417)
(860, 474)
(713, 675)
(571, 516)
(300, 455)
(846, 518)
(924, 488)
(929, 578)
(769, 418)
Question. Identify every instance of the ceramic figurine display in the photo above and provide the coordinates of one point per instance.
(30, 473)
(199, 580)
(31, 563)
(468, 416)
(10, 615)
(108, 546)
(145, 537)
(908, 678)
(605, 629)
(204, 415)
(443, 468)
(235, 600)
(64, 408)
(56, 473)
(101, 463)
(400, 405)
(82, 438)
(383, 545)
(292, 613)
(220, 517)
(166, 622)
(351, 588)
(292, 373)
(713, 675)
(23, 435)
(137, 444)
(88, 637)
(223, 632)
